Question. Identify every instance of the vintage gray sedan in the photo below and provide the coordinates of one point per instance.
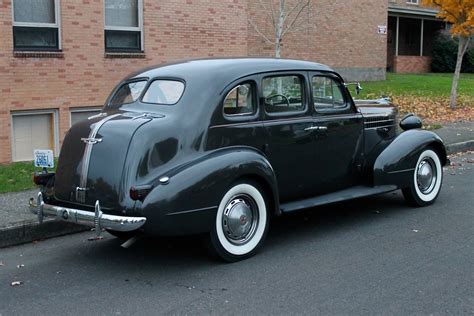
(219, 146)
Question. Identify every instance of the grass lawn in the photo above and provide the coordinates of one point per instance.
(17, 176)
(420, 85)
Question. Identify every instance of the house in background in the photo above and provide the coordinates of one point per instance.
(411, 32)
(59, 59)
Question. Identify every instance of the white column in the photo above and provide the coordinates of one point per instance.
(421, 39)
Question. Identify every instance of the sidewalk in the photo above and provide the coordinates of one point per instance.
(18, 225)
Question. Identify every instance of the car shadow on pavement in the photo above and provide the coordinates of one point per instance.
(302, 227)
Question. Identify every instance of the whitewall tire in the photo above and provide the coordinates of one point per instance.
(241, 222)
(426, 180)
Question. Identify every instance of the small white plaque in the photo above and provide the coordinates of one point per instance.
(43, 158)
(382, 29)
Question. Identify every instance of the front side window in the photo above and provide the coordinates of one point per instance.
(36, 25)
(327, 94)
(283, 94)
(240, 100)
(166, 92)
(127, 93)
(123, 25)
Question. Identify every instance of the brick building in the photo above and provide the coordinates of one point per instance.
(411, 31)
(59, 59)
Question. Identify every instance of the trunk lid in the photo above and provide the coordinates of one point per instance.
(92, 160)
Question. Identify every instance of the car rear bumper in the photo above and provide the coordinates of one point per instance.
(96, 219)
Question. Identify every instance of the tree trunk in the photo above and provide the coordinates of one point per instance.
(462, 47)
(279, 29)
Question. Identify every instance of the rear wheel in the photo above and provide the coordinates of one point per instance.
(426, 181)
(241, 223)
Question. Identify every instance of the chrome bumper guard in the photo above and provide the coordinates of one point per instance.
(96, 219)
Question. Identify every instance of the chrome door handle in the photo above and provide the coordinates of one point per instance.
(317, 128)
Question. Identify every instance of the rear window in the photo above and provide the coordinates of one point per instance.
(128, 93)
(166, 92)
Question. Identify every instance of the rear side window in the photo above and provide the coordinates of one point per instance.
(166, 92)
(283, 94)
(327, 93)
(240, 100)
(128, 93)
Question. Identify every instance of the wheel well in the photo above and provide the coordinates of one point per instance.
(269, 194)
(440, 151)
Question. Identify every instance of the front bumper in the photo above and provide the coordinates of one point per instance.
(96, 219)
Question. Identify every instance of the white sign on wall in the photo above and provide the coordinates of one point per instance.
(382, 29)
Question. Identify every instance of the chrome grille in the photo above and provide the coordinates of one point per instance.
(378, 121)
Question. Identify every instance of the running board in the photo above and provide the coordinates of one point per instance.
(343, 195)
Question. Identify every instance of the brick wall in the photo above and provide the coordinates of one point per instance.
(344, 35)
(412, 64)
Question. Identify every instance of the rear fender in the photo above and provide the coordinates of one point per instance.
(396, 163)
(187, 203)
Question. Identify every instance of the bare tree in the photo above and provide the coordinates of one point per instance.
(284, 19)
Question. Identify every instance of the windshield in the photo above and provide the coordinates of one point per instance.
(128, 93)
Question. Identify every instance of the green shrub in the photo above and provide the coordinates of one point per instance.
(445, 51)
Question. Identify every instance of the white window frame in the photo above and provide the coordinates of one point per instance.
(413, 2)
(57, 18)
(139, 28)
(81, 109)
(55, 126)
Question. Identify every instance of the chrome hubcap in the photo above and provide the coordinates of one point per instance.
(426, 175)
(240, 219)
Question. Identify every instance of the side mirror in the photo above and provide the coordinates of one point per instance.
(357, 85)
(410, 121)
(358, 88)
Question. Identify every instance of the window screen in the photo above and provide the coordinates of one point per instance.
(122, 25)
(35, 25)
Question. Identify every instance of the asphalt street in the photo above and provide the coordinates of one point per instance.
(370, 256)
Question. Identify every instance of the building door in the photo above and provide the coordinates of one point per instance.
(31, 132)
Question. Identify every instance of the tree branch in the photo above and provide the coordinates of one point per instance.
(290, 25)
(259, 32)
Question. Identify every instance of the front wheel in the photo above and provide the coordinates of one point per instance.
(427, 179)
(241, 223)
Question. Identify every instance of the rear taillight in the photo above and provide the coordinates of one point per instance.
(42, 178)
(139, 192)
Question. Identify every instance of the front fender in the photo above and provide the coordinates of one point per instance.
(396, 163)
(188, 202)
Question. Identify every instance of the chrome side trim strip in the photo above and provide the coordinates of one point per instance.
(88, 150)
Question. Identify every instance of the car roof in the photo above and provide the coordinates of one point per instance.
(231, 68)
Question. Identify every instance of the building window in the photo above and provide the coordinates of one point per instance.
(412, 1)
(33, 130)
(123, 25)
(81, 114)
(36, 25)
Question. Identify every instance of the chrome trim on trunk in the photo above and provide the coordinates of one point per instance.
(96, 219)
(87, 156)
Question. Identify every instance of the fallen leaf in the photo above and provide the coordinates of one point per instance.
(95, 238)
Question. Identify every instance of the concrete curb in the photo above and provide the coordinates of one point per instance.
(458, 147)
(30, 231)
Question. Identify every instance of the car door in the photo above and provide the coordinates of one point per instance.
(289, 140)
(338, 128)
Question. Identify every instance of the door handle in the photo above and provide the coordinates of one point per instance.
(316, 128)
